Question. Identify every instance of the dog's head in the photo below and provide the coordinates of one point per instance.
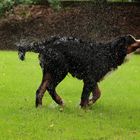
(133, 44)
(124, 45)
(128, 43)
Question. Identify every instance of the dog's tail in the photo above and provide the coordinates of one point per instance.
(36, 47)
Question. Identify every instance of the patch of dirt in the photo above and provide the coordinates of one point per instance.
(86, 21)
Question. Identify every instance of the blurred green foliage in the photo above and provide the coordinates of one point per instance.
(6, 5)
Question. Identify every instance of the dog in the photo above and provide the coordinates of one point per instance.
(87, 61)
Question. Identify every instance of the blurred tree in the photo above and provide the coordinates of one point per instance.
(136, 0)
(56, 4)
(100, 1)
(41, 2)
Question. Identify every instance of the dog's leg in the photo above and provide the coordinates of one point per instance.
(58, 77)
(54, 95)
(57, 68)
(42, 88)
(88, 86)
(96, 93)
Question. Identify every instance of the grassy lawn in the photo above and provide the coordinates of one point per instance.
(116, 116)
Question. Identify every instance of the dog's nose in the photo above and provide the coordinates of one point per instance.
(138, 42)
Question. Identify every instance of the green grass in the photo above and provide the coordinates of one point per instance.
(116, 116)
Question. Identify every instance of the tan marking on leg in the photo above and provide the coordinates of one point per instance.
(42, 88)
(95, 95)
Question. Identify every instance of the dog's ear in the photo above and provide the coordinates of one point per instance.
(124, 41)
(119, 49)
(118, 43)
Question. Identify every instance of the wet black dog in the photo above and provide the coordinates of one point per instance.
(87, 61)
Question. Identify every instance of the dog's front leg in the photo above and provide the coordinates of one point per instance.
(87, 89)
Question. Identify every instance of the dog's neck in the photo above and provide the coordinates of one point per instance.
(117, 57)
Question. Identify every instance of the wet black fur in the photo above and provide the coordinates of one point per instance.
(87, 61)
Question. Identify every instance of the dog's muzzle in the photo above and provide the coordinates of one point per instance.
(133, 47)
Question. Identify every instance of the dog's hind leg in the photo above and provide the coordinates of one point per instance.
(96, 93)
(87, 89)
(57, 78)
(48, 83)
(42, 88)
(54, 70)
(54, 95)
